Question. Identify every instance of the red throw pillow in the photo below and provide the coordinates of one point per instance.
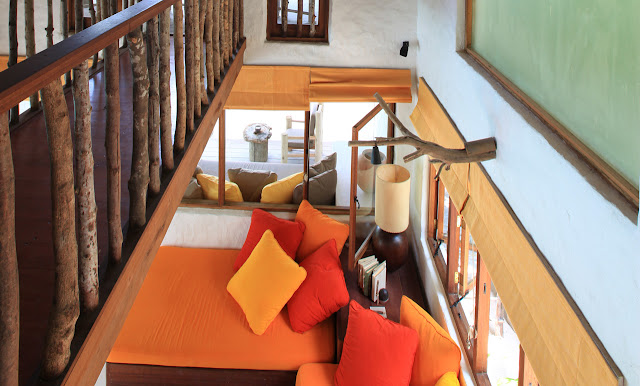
(322, 293)
(376, 351)
(287, 233)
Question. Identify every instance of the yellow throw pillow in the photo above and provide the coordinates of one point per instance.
(210, 188)
(448, 379)
(265, 283)
(281, 192)
(437, 353)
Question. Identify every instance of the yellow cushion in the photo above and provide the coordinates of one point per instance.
(281, 192)
(265, 283)
(316, 374)
(210, 188)
(437, 353)
(448, 379)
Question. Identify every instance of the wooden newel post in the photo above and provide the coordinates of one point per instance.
(66, 307)
(9, 288)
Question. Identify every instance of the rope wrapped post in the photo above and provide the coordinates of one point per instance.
(181, 91)
(66, 306)
(153, 106)
(164, 39)
(139, 180)
(9, 282)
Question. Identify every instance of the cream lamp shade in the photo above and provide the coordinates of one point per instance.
(393, 185)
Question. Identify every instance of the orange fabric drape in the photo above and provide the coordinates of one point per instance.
(359, 85)
(561, 347)
(270, 88)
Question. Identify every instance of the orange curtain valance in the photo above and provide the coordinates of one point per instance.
(359, 85)
(292, 88)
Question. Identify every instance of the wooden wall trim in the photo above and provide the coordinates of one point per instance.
(23, 79)
(96, 347)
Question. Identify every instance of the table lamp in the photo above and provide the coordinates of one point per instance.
(389, 240)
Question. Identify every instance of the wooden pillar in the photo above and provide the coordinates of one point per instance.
(284, 13)
(139, 179)
(464, 259)
(208, 43)
(215, 37)
(86, 200)
(66, 307)
(299, 19)
(181, 90)
(204, 99)
(164, 39)
(14, 115)
(189, 62)
(440, 218)
(352, 199)
(483, 298)
(391, 134)
(236, 23)
(222, 130)
(305, 185)
(453, 249)
(112, 145)
(30, 38)
(432, 205)
(94, 20)
(9, 282)
(153, 106)
(229, 27)
(312, 18)
(197, 56)
(241, 23)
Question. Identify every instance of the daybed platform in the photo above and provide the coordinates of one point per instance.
(184, 317)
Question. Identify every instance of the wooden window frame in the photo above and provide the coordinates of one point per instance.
(610, 177)
(274, 29)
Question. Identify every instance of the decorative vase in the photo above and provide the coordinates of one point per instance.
(365, 170)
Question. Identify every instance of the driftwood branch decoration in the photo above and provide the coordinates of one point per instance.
(474, 151)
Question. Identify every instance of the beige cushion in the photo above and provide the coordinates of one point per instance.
(251, 182)
(327, 163)
(194, 190)
(322, 189)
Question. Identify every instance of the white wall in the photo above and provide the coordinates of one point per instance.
(40, 23)
(592, 246)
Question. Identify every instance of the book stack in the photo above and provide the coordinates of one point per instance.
(372, 276)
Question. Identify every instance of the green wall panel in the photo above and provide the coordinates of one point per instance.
(579, 60)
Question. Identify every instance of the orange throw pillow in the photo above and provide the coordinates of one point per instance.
(320, 228)
(288, 233)
(437, 353)
(376, 351)
(322, 293)
(265, 283)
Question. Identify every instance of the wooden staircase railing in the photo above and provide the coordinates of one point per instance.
(87, 315)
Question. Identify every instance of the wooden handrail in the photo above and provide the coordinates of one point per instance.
(18, 82)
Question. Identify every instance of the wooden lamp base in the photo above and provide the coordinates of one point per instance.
(390, 247)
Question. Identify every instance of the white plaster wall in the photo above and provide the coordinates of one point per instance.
(362, 33)
(40, 23)
(592, 246)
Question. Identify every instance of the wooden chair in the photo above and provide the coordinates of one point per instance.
(293, 139)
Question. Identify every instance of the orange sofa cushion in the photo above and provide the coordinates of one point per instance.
(183, 316)
(316, 374)
(376, 351)
(320, 228)
(265, 283)
(437, 353)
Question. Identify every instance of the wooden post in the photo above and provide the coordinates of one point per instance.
(181, 91)
(464, 259)
(230, 30)
(215, 37)
(197, 50)
(391, 134)
(13, 51)
(453, 249)
(139, 180)
(222, 130)
(483, 299)
(190, 62)
(164, 38)
(30, 38)
(352, 200)
(65, 30)
(87, 213)
(225, 36)
(99, 11)
(432, 205)
(208, 43)
(204, 99)
(153, 106)
(112, 145)
(94, 20)
(66, 307)
(236, 23)
(305, 181)
(9, 282)
(526, 376)
(241, 23)
(300, 8)
(284, 15)
(440, 221)
(312, 19)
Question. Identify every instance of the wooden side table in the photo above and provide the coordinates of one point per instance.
(404, 281)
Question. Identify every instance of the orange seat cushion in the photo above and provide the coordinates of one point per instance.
(316, 374)
(376, 351)
(319, 228)
(183, 316)
(437, 353)
(265, 283)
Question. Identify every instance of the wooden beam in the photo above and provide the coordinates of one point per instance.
(526, 376)
(453, 249)
(432, 205)
(361, 123)
(98, 343)
(464, 259)
(468, 17)
(440, 214)
(222, 157)
(391, 134)
(483, 298)
(25, 78)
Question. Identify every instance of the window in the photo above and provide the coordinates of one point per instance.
(302, 24)
(487, 336)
